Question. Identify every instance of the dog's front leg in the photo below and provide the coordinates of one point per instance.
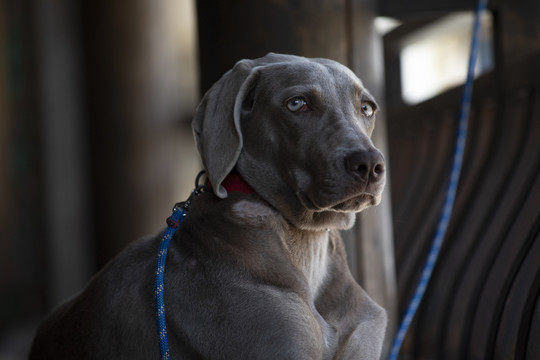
(359, 321)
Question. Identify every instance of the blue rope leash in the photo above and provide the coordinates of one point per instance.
(451, 191)
(176, 219)
(173, 222)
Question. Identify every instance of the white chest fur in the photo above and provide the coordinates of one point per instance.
(310, 253)
(309, 250)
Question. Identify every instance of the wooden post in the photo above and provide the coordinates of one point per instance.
(141, 95)
(67, 186)
(230, 31)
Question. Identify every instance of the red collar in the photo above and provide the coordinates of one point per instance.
(235, 183)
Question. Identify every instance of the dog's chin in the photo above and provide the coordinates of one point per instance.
(356, 204)
(338, 214)
(324, 220)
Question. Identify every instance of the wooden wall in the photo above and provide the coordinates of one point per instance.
(95, 144)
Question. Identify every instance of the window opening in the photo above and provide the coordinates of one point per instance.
(434, 58)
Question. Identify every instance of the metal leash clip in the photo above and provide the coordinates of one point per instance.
(183, 206)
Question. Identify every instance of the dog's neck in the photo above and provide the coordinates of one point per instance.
(310, 251)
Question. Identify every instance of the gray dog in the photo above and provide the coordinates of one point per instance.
(257, 269)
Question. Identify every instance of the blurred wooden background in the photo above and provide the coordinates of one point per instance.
(96, 98)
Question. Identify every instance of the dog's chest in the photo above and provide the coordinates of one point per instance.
(309, 252)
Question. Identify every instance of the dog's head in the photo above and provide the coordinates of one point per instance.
(298, 131)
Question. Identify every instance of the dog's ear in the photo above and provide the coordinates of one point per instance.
(216, 125)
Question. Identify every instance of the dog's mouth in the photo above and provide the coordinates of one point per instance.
(352, 204)
(355, 204)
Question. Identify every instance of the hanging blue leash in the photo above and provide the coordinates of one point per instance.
(173, 222)
(451, 191)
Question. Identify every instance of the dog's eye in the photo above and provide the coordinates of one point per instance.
(367, 109)
(297, 104)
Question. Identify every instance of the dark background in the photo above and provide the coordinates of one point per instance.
(95, 147)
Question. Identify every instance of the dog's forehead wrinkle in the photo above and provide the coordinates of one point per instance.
(344, 74)
(302, 72)
(334, 77)
(327, 83)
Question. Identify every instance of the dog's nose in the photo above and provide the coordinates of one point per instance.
(366, 165)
